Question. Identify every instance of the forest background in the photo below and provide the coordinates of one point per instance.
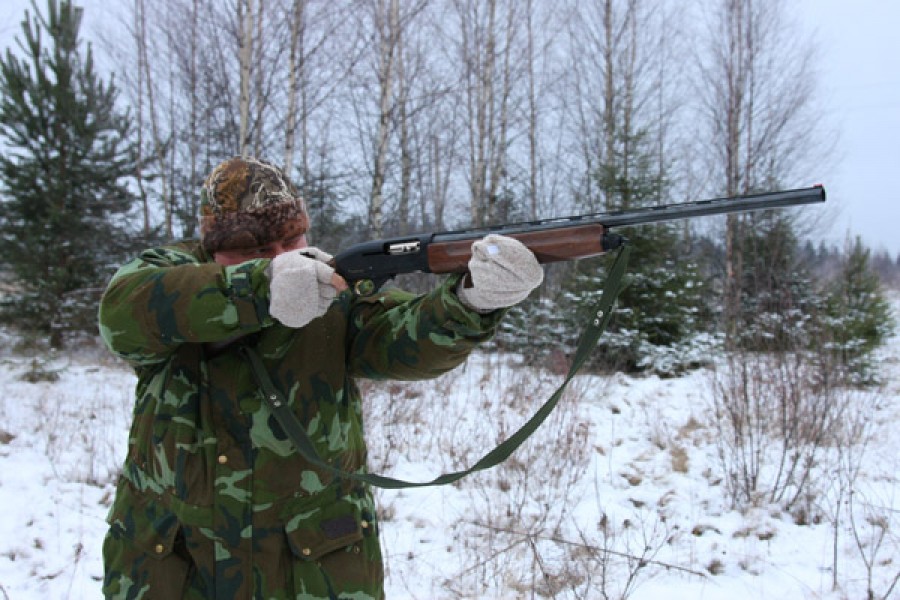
(424, 115)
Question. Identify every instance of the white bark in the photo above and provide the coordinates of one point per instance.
(245, 56)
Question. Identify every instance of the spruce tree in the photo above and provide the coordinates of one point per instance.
(62, 177)
(662, 321)
(777, 293)
(662, 314)
(859, 315)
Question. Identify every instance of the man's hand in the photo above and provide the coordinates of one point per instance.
(503, 272)
(302, 286)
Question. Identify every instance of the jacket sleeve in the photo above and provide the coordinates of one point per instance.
(167, 297)
(396, 335)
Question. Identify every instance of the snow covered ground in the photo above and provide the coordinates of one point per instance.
(620, 494)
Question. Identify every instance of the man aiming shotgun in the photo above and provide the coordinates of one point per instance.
(245, 475)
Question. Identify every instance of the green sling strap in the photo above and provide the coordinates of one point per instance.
(297, 434)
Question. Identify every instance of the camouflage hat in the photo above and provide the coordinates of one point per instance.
(246, 202)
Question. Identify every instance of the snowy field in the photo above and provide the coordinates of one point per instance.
(621, 494)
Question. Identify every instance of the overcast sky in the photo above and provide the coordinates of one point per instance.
(860, 61)
(861, 50)
(860, 83)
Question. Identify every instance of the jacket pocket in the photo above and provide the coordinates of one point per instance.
(143, 521)
(324, 529)
(139, 552)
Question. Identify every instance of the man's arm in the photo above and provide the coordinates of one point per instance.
(396, 335)
(167, 297)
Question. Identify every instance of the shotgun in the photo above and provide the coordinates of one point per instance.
(368, 265)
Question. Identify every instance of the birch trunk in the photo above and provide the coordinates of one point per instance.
(403, 126)
(245, 55)
(295, 75)
(158, 143)
(388, 31)
(142, 190)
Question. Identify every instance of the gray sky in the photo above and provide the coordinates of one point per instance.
(860, 66)
(860, 84)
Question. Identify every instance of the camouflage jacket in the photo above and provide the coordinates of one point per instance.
(208, 467)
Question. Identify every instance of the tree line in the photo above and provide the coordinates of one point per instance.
(425, 114)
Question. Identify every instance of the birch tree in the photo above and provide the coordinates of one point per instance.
(139, 118)
(545, 91)
(533, 135)
(149, 87)
(404, 131)
(485, 47)
(192, 206)
(439, 128)
(386, 18)
(618, 113)
(296, 77)
(245, 56)
(756, 88)
(385, 128)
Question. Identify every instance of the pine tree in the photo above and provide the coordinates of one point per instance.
(62, 179)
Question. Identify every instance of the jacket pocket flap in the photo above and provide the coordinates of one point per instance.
(325, 529)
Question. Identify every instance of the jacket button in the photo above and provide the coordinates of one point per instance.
(160, 548)
(223, 459)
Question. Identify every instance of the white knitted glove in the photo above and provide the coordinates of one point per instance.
(300, 286)
(503, 272)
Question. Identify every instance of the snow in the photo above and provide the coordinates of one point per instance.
(625, 465)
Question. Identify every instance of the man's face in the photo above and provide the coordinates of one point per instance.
(292, 240)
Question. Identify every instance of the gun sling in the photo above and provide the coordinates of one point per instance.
(292, 427)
